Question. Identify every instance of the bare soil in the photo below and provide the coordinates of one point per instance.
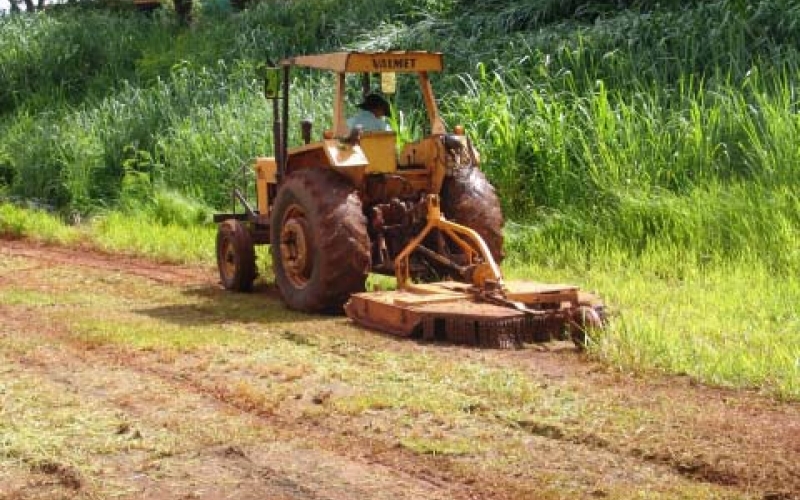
(84, 414)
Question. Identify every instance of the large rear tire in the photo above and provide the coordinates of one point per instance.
(470, 200)
(236, 257)
(319, 242)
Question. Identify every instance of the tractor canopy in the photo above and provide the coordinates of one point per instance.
(371, 62)
(365, 63)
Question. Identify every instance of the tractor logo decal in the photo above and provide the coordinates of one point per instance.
(389, 63)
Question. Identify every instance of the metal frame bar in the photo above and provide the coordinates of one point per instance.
(435, 220)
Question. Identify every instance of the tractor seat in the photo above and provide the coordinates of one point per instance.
(381, 151)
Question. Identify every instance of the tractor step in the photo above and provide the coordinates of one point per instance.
(453, 312)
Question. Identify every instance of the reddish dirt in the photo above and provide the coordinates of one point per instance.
(48, 256)
(735, 443)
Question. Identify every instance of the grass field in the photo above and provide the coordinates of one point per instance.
(123, 378)
(643, 150)
(729, 324)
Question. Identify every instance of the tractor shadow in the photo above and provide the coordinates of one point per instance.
(210, 304)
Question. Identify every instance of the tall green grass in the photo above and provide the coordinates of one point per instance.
(713, 173)
(732, 323)
(164, 232)
(36, 225)
(49, 60)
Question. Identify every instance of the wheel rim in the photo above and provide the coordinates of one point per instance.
(295, 248)
(228, 264)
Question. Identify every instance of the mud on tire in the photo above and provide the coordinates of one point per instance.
(470, 200)
(319, 242)
(236, 258)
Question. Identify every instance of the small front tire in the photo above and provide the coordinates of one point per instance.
(236, 257)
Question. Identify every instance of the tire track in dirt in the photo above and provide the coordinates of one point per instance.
(179, 275)
(716, 435)
(401, 473)
(737, 421)
(171, 274)
(438, 474)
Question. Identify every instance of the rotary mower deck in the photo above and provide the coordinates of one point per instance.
(458, 313)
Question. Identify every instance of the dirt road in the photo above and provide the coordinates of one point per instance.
(124, 378)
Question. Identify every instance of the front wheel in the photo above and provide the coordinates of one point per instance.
(236, 258)
(319, 242)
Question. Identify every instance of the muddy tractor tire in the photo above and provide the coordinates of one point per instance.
(319, 243)
(470, 200)
(236, 257)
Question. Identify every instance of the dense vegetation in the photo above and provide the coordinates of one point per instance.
(624, 123)
(657, 135)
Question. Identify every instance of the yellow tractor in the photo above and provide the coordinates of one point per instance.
(349, 202)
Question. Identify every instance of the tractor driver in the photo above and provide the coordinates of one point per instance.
(371, 118)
